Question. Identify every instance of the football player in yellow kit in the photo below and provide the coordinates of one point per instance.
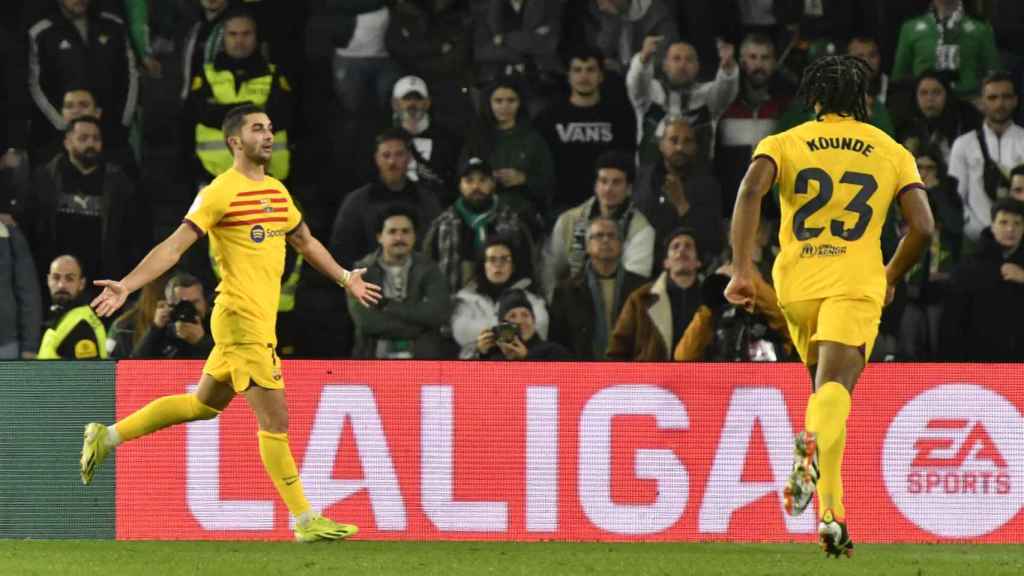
(249, 216)
(837, 176)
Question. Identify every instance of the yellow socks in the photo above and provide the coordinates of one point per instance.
(161, 413)
(277, 459)
(827, 411)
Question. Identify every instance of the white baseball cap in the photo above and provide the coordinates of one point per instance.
(407, 84)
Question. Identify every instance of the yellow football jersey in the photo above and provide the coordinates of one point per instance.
(837, 178)
(247, 221)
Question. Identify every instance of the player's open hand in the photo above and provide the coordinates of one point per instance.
(740, 290)
(366, 293)
(113, 296)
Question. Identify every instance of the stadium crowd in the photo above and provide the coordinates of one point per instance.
(525, 179)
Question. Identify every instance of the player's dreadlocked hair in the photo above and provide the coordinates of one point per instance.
(839, 84)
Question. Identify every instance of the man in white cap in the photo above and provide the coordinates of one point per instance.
(434, 148)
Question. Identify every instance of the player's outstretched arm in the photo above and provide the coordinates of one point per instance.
(314, 252)
(746, 216)
(918, 216)
(159, 260)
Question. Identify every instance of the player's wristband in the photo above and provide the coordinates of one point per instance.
(345, 277)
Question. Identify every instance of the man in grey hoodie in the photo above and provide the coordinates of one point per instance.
(20, 301)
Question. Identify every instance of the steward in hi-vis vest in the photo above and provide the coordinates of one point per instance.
(237, 75)
(73, 331)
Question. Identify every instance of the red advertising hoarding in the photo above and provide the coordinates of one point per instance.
(575, 451)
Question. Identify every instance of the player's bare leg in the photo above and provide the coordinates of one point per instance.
(99, 440)
(839, 367)
(272, 415)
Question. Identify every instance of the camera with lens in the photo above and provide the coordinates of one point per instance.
(185, 311)
(506, 331)
(740, 336)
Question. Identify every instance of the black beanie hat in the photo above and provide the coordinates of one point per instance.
(513, 299)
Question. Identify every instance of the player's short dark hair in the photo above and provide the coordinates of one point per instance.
(83, 120)
(617, 160)
(180, 280)
(1010, 205)
(1018, 170)
(997, 76)
(839, 84)
(235, 119)
(396, 209)
(390, 134)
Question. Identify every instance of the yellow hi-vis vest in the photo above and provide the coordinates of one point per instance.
(213, 152)
(54, 337)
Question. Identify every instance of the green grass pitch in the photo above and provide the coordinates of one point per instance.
(109, 558)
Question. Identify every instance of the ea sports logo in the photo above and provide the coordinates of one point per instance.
(953, 462)
(258, 234)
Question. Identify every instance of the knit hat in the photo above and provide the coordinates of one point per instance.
(513, 299)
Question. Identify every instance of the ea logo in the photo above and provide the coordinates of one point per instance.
(953, 460)
(258, 234)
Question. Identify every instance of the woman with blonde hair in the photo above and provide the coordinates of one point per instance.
(129, 328)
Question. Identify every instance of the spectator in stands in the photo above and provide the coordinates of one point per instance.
(501, 265)
(983, 320)
(433, 40)
(77, 45)
(946, 39)
(618, 27)
(237, 75)
(128, 329)
(73, 331)
(79, 102)
(585, 307)
(518, 37)
(866, 48)
(721, 332)
(678, 189)
(983, 181)
(181, 324)
(579, 128)
(937, 118)
(355, 230)
(1017, 183)
(20, 306)
(81, 202)
(927, 283)
(460, 232)
(415, 304)
(678, 92)
(519, 155)
(566, 249)
(15, 109)
(203, 41)
(434, 148)
(515, 336)
(656, 314)
(763, 96)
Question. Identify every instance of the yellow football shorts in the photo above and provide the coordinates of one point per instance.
(850, 321)
(242, 364)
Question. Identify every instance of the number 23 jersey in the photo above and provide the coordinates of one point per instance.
(837, 178)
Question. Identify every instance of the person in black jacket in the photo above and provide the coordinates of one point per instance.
(983, 319)
(77, 45)
(585, 307)
(181, 325)
(514, 336)
(80, 203)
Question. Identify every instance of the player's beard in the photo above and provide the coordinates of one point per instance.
(256, 155)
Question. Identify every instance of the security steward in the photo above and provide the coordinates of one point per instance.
(73, 331)
(238, 74)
